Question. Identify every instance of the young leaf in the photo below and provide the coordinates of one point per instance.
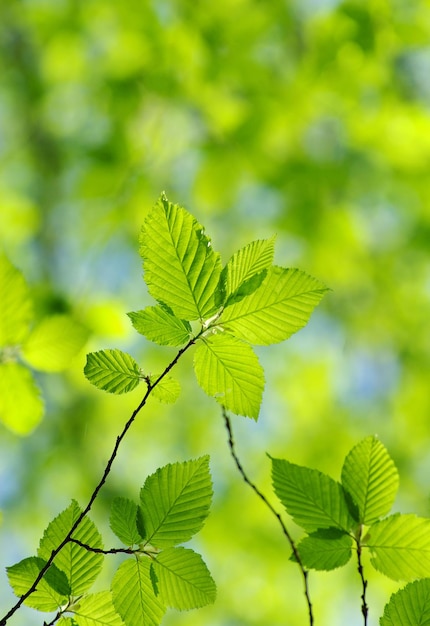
(325, 549)
(53, 342)
(313, 499)
(80, 565)
(228, 370)
(246, 270)
(167, 390)
(174, 502)
(16, 310)
(97, 609)
(180, 267)
(371, 478)
(123, 518)
(133, 594)
(113, 371)
(281, 306)
(409, 606)
(52, 591)
(158, 324)
(400, 546)
(16, 381)
(183, 579)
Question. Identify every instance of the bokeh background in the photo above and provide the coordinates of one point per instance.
(308, 119)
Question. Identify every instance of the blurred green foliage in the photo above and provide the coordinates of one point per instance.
(309, 119)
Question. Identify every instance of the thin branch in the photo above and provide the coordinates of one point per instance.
(364, 606)
(273, 511)
(55, 619)
(101, 551)
(102, 481)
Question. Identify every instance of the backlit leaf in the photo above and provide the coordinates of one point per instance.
(16, 309)
(409, 607)
(52, 591)
(167, 390)
(133, 594)
(228, 370)
(181, 269)
(325, 549)
(16, 381)
(157, 324)
(97, 609)
(123, 521)
(113, 371)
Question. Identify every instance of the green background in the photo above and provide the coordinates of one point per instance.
(307, 119)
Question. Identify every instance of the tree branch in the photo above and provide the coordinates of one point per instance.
(101, 551)
(364, 606)
(102, 481)
(273, 511)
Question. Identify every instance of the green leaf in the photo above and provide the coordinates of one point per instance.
(180, 267)
(53, 343)
(228, 370)
(325, 549)
(246, 270)
(158, 324)
(123, 518)
(16, 381)
(281, 306)
(113, 371)
(97, 609)
(52, 591)
(167, 390)
(183, 579)
(371, 478)
(400, 546)
(80, 565)
(16, 310)
(175, 502)
(409, 607)
(133, 594)
(66, 621)
(313, 499)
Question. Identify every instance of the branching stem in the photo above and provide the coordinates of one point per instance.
(364, 606)
(68, 538)
(262, 497)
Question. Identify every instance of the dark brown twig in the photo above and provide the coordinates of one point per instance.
(364, 606)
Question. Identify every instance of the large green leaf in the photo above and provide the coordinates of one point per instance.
(97, 609)
(80, 565)
(123, 522)
(183, 579)
(175, 502)
(325, 549)
(228, 370)
(17, 383)
(281, 306)
(52, 591)
(157, 324)
(16, 309)
(133, 594)
(313, 499)
(180, 267)
(113, 371)
(371, 478)
(400, 546)
(409, 607)
(53, 343)
(246, 270)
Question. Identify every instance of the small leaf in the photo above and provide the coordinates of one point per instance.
(184, 580)
(113, 371)
(325, 549)
(158, 324)
(52, 591)
(123, 521)
(167, 390)
(313, 499)
(228, 370)
(175, 502)
(80, 565)
(97, 609)
(371, 478)
(53, 343)
(133, 594)
(246, 270)
(409, 607)
(281, 306)
(181, 269)
(16, 381)
(400, 546)
(16, 310)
